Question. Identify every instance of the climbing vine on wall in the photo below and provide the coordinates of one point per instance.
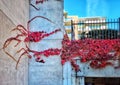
(36, 3)
(40, 1)
(97, 52)
(27, 37)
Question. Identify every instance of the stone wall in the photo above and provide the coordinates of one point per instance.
(12, 13)
(16, 12)
(50, 72)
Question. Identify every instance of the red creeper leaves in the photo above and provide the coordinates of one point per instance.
(29, 36)
(37, 36)
(97, 52)
(40, 1)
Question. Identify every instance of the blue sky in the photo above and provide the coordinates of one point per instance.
(91, 8)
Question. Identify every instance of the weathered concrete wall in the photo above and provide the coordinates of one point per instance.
(108, 71)
(49, 73)
(17, 11)
(12, 13)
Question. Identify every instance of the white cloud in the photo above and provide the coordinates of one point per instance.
(96, 7)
